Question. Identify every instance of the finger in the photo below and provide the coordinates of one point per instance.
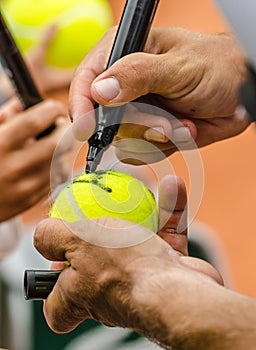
(58, 78)
(155, 70)
(22, 201)
(216, 129)
(42, 47)
(139, 126)
(54, 241)
(81, 102)
(59, 313)
(59, 265)
(36, 56)
(166, 133)
(36, 156)
(138, 121)
(173, 213)
(126, 80)
(10, 109)
(25, 200)
(52, 238)
(30, 123)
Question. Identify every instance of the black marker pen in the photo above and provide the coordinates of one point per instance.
(16, 69)
(131, 37)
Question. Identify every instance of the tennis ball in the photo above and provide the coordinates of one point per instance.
(80, 24)
(107, 194)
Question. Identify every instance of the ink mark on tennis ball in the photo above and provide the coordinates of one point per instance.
(94, 182)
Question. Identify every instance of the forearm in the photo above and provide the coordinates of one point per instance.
(182, 309)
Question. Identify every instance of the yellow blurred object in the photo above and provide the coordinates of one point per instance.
(80, 24)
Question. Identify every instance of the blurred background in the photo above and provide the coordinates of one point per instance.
(225, 218)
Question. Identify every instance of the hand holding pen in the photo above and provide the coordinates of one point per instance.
(172, 73)
(131, 37)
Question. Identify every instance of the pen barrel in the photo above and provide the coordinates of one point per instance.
(38, 284)
(22, 84)
(18, 73)
(133, 29)
(131, 36)
(16, 69)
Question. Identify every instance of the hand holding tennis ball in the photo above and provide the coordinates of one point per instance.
(107, 194)
(80, 24)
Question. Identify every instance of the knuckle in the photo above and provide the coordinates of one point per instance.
(134, 66)
(34, 124)
(134, 73)
(22, 193)
(13, 172)
(40, 232)
(52, 110)
(53, 104)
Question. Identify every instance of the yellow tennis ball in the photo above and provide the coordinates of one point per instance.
(80, 24)
(107, 194)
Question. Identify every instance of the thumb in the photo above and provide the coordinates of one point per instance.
(131, 77)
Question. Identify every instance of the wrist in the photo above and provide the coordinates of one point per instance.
(184, 309)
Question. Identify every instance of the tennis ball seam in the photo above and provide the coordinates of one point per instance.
(154, 219)
(74, 204)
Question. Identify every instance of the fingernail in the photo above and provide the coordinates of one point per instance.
(240, 112)
(155, 134)
(108, 88)
(181, 134)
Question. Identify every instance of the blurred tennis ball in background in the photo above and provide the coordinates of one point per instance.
(107, 194)
(80, 24)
